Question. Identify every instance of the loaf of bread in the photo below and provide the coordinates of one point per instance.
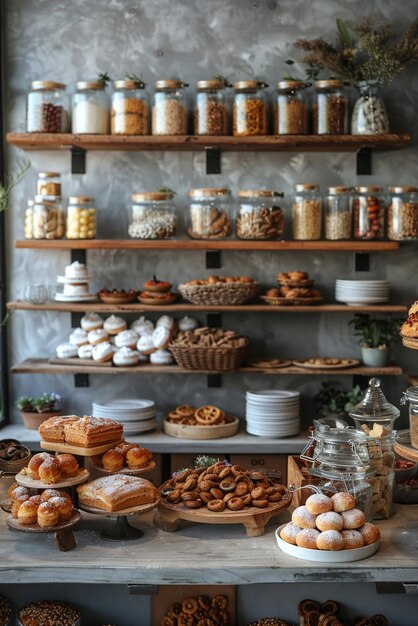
(117, 492)
(53, 428)
(92, 431)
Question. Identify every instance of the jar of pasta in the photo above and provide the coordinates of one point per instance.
(369, 213)
(49, 184)
(28, 220)
(210, 112)
(48, 218)
(330, 108)
(403, 213)
(90, 114)
(307, 212)
(169, 111)
(153, 215)
(129, 112)
(47, 108)
(81, 218)
(259, 214)
(249, 110)
(209, 214)
(338, 220)
(291, 110)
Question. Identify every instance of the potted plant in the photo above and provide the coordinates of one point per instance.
(376, 335)
(36, 410)
(331, 401)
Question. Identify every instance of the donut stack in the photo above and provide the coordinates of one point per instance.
(329, 524)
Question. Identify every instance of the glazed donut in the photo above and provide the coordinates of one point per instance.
(126, 339)
(329, 521)
(206, 496)
(97, 336)
(64, 506)
(161, 337)
(69, 464)
(343, 501)
(241, 489)
(229, 497)
(50, 470)
(114, 325)
(174, 497)
(66, 351)
(161, 357)
(289, 532)
(302, 518)
(352, 539)
(142, 326)
(91, 321)
(48, 515)
(126, 356)
(102, 351)
(28, 512)
(307, 538)
(370, 533)
(34, 464)
(318, 503)
(353, 519)
(227, 485)
(218, 494)
(145, 344)
(330, 540)
(235, 504)
(113, 460)
(78, 337)
(85, 352)
(216, 506)
(237, 470)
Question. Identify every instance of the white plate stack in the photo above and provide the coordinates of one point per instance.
(359, 292)
(273, 413)
(136, 416)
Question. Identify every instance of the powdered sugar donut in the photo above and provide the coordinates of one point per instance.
(329, 521)
(142, 326)
(318, 503)
(330, 540)
(85, 352)
(91, 321)
(126, 339)
(161, 337)
(301, 517)
(103, 352)
(79, 337)
(188, 323)
(353, 519)
(307, 538)
(97, 336)
(125, 357)
(167, 322)
(66, 351)
(343, 501)
(289, 532)
(161, 357)
(370, 533)
(114, 325)
(352, 539)
(145, 344)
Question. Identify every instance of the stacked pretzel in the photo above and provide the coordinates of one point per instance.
(203, 416)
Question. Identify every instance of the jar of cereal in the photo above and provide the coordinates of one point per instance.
(209, 214)
(330, 108)
(129, 112)
(49, 184)
(48, 218)
(47, 108)
(211, 112)
(369, 213)
(153, 215)
(403, 213)
(249, 110)
(259, 215)
(81, 218)
(338, 221)
(169, 111)
(307, 212)
(291, 110)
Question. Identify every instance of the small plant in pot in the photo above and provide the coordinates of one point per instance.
(332, 401)
(376, 336)
(36, 410)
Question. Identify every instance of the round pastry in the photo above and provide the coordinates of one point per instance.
(126, 356)
(188, 323)
(142, 326)
(103, 352)
(318, 503)
(85, 352)
(113, 460)
(161, 357)
(161, 337)
(34, 464)
(28, 512)
(353, 519)
(289, 532)
(352, 539)
(17, 503)
(36, 500)
(370, 533)
(79, 337)
(330, 540)
(138, 457)
(329, 521)
(64, 506)
(124, 446)
(114, 325)
(343, 501)
(10, 490)
(167, 322)
(414, 308)
(145, 344)
(69, 465)
(50, 470)
(97, 336)
(91, 321)
(66, 351)
(76, 271)
(126, 339)
(307, 538)
(18, 491)
(302, 518)
(48, 515)
(54, 493)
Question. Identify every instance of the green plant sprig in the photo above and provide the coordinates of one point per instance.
(11, 181)
(375, 332)
(332, 400)
(166, 190)
(139, 83)
(104, 79)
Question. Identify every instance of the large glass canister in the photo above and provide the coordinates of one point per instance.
(369, 213)
(211, 111)
(48, 218)
(411, 396)
(81, 218)
(338, 220)
(153, 215)
(169, 111)
(259, 215)
(129, 113)
(49, 184)
(209, 213)
(249, 110)
(307, 212)
(354, 483)
(291, 109)
(90, 112)
(330, 108)
(403, 213)
(47, 108)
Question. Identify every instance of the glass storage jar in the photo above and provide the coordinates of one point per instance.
(307, 212)
(47, 108)
(356, 484)
(291, 109)
(369, 213)
(49, 184)
(81, 218)
(211, 111)
(129, 113)
(330, 108)
(403, 213)
(48, 218)
(90, 114)
(259, 214)
(249, 110)
(338, 220)
(411, 396)
(28, 220)
(152, 215)
(169, 111)
(369, 115)
(209, 213)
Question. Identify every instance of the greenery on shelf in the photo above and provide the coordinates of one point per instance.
(332, 400)
(139, 83)
(375, 332)
(104, 79)
(11, 181)
(45, 403)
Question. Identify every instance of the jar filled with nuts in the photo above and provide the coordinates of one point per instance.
(48, 218)
(259, 215)
(169, 111)
(338, 220)
(210, 112)
(209, 214)
(49, 184)
(90, 109)
(291, 110)
(369, 213)
(129, 112)
(307, 212)
(153, 215)
(28, 220)
(369, 114)
(330, 108)
(81, 218)
(47, 108)
(249, 110)
(403, 213)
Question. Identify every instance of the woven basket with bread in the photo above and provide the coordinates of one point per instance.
(217, 291)
(209, 349)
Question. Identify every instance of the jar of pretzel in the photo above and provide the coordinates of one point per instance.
(249, 110)
(210, 213)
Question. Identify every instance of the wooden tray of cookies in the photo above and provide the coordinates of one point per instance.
(31, 483)
(56, 446)
(63, 532)
(217, 431)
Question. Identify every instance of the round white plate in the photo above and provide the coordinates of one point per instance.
(125, 405)
(63, 280)
(273, 393)
(59, 297)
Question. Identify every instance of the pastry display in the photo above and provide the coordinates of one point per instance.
(219, 290)
(5, 611)
(91, 321)
(117, 492)
(209, 338)
(199, 610)
(292, 295)
(49, 613)
(157, 292)
(202, 416)
(114, 325)
(47, 509)
(51, 469)
(75, 283)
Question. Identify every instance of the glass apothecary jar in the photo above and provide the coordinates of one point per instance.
(211, 110)
(403, 213)
(49, 184)
(307, 212)
(369, 115)
(129, 113)
(90, 112)
(28, 220)
(356, 484)
(169, 111)
(210, 213)
(48, 218)
(81, 218)
(259, 214)
(47, 108)
(152, 215)
(291, 115)
(338, 217)
(411, 396)
(330, 108)
(249, 109)
(369, 209)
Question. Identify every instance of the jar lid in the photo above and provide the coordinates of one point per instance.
(260, 193)
(306, 187)
(46, 85)
(39, 198)
(128, 84)
(208, 192)
(172, 83)
(49, 175)
(290, 85)
(150, 196)
(369, 189)
(82, 199)
(213, 83)
(85, 85)
(374, 406)
(242, 85)
(412, 393)
(338, 190)
(405, 189)
(329, 83)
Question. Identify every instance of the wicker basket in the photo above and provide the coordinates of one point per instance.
(213, 359)
(220, 293)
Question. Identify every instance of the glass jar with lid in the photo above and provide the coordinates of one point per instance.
(369, 213)
(81, 218)
(411, 396)
(49, 184)
(291, 109)
(129, 111)
(249, 110)
(307, 212)
(48, 218)
(211, 111)
(259, 214)
(152, 215)
(47, 108)
(355, 483)
(338, 217)
(330, 108)
(209, 213)
(169, 111)
(28, 220)
(403, 213)
(90, 113)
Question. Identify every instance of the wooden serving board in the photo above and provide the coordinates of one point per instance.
(183, 431)
(141, 508)
(290, 301)
(96, 463)
(26, 481)
(77, 361)
(312, 366)
(63, 532)
(269, 363)
(56, 446)
(169, 594)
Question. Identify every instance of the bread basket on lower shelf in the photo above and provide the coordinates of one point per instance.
(219, 293)
(204, 358)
